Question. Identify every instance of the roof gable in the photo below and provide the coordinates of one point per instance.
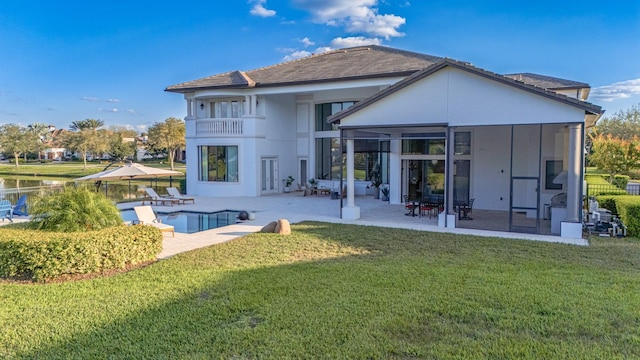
(587, 107)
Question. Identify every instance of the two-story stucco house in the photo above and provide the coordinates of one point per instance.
(435, 127)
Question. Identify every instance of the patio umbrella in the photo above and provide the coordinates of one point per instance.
(128, 172)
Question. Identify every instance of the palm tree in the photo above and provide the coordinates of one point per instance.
(86, 124)
(42, 132)
(85, 138)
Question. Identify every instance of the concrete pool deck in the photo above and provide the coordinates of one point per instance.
(296, 208)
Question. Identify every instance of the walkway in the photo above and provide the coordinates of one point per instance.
(296, 208)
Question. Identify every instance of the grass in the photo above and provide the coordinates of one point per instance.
(343, 291)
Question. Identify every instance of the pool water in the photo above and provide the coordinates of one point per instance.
(191, 222)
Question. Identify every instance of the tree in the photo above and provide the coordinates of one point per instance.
(122, 142)
(43, 135)
(85, 138)
(624, 124)
(16, 140)
(614, 155)
(168, 137)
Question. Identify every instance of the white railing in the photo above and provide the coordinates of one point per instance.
(219, 127)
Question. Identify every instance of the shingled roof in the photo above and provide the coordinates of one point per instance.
(345, 64)
(547, 82)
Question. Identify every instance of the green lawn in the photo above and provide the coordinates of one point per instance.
(343, 291)
(66, 169)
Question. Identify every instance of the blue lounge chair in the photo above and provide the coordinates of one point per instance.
(6, 210)
(20, 208)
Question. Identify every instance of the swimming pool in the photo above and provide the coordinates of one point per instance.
(190, 221)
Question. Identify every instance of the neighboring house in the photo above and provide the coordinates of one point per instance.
(436, 127)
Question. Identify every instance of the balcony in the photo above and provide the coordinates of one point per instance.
(229, 127)
(219, 127)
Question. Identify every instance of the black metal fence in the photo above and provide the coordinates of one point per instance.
(608, 189)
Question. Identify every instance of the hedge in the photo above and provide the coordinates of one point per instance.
(627, 208)
(41, 255)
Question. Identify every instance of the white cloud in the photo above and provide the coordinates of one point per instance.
(258, 9)
(113, 100)
(141, 127)
(356, 16)
(307, 42)
(354, 41)
(296, 55)
(619, 90)
(134, 112)
(89, 98)
(113, 110)
(323, 49)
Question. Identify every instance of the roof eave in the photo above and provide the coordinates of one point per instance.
(294, 83)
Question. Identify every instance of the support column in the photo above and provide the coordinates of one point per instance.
(573, 173)
(448, 218)
(350, 211)
(253, 106)
(571, 226)
(247, 105)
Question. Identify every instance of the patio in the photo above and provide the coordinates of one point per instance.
(296, 208)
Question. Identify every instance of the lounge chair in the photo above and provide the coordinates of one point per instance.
(20, 208)
(152, 197)
(174, 193)
(146, 216)
(6, 210)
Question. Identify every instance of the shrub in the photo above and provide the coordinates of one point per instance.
(41, 255)
(621, 181)
(73, 209)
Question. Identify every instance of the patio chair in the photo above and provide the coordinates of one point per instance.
(465, 209)
(152, 197)
(146, 216)
(20, 208)
(6, 210)
(408, 205)
(427, 207)
(175, 193)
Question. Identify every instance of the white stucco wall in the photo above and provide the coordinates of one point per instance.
(459, 98)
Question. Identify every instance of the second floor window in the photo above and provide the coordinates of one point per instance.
(228, 108)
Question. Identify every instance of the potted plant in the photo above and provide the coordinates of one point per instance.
(385, 193)
(312, 183)
(287, 184)
(376, 180)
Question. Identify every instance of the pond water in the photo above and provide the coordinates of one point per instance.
(190, 221)
(12, 188)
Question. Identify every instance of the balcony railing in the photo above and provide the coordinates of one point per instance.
(220, 127)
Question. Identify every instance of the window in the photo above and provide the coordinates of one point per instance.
(462, 143)
(329, 158)
(423, 147)
(229, 108)
(219, 163)
(553, 168)
(323, 111)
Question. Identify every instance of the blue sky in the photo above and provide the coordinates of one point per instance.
(62, 61)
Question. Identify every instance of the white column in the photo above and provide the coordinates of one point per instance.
(573, 173)
(247, 105)
(253, 105)
(189, 108)
(350, 211)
